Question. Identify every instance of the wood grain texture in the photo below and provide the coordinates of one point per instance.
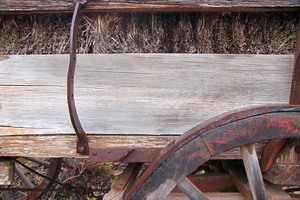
(125, 180)
(146, 94)
(65, 145)
(211, 196)
(35, 6)
(6, 172)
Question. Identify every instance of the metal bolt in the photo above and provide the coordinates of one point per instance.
(80, 149)
(95, 153)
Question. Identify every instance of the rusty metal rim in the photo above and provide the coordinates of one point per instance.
(201, 133)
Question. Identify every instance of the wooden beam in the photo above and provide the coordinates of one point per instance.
(143, 94)
(6, 172)
(211, 196)
(39, 6)
(239, 178)
(65, 145)
(120, 188)
(219, 182)
(191, 190)
(127, 94)
(275, 192)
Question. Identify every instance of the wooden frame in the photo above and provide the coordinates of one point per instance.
(37, 6)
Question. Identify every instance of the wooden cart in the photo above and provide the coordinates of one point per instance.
(135, 107)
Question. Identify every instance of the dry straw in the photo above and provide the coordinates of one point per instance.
(238, 33)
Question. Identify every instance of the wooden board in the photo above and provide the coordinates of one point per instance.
(211, 196)
(145, 94)
(65, 145)
(39, 6)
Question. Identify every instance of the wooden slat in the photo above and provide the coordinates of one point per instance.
(146, 94)
(121, 187)
(138, 93)
(6, 172)
(65, 145)
(38, 6)
(275, 192)
(211, 196)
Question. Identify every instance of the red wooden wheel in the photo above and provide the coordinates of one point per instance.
(198, 145)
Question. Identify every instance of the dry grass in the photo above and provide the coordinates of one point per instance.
(78, 176)
(238, 33)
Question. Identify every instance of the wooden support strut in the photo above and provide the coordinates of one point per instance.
(187, 187)
(253, 172)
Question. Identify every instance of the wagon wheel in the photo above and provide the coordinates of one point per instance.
(26, 178)
(198, 145)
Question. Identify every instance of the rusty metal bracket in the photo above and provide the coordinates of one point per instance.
(82, 139)
(128, 155)
(295, 88)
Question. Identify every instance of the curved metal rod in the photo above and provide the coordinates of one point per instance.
(82, 140)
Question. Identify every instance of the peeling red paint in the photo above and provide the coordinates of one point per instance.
(217, 136)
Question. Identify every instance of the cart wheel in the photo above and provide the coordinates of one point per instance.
(198, 145)
(25, 178)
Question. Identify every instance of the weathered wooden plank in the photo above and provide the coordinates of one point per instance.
(208, 183)
(275, 192)
(253, 172)
(6, 172)
(136, 93)
(191, 190)
(120, 188)
(148, 6)
(65, 145)
(286, 167)
(211, 196)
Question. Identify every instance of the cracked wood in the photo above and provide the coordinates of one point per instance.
(39, 6)
(143, 94)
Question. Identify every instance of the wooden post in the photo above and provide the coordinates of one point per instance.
(6, 172)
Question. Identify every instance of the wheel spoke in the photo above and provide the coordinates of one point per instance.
(253, 172)
(40, 162)
(187, 187)
(23, 177)
(5, 195)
